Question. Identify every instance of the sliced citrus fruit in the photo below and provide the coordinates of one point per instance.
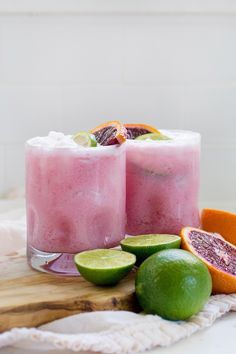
(135, 130)
(144, 246)
(222, 222)
(110, 133)
(152, 136)
(104, 266)
(85, 139)
(173, 284)
(218, 254)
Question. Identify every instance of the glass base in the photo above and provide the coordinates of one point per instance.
(54, 263)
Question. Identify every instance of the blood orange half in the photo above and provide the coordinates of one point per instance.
(218, 255)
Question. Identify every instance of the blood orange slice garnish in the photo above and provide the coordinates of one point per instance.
(218, 255)
(110, 133)
(135, 130)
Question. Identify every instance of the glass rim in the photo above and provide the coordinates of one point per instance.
(79, 148)
(188, 138)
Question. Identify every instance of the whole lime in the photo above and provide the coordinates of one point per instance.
(173, 284)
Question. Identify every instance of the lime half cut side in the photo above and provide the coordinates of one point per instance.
(153, 136)
(85, 139)
(104, 266)
(144, 246)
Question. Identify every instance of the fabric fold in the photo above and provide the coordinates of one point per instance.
(126, 333)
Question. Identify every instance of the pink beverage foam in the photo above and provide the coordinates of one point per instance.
(162, 186)
(75, 198)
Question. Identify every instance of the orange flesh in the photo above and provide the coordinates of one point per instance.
(222, 222)
(222, 282)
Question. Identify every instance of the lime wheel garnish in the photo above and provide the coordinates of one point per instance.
(85, 139)
(152, 136)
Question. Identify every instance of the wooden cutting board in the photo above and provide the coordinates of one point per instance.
(30, 298)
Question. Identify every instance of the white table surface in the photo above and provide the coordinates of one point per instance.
(218, 339)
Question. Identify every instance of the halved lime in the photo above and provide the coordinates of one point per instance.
(144, 246)
(153, 136)
(85, 139)
(104, 266)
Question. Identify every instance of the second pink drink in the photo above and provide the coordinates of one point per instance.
(163, 183)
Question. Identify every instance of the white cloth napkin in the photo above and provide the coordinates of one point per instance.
(105, 331)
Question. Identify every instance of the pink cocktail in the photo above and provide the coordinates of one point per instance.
(163, 183)
(75, 200)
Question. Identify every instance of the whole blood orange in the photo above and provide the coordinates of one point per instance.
(110, 133)
(218, 254)
(222, 222)
(135, 130)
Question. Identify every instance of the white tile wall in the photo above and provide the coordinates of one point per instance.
(212, 112)
(63, 49)
(72, 71)
(114, 6)
(14, 166)
(181, 50)
(2, 167)
(84, 107)
(218, 175)
(28, 110)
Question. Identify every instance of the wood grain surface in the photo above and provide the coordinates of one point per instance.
(30, 298)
